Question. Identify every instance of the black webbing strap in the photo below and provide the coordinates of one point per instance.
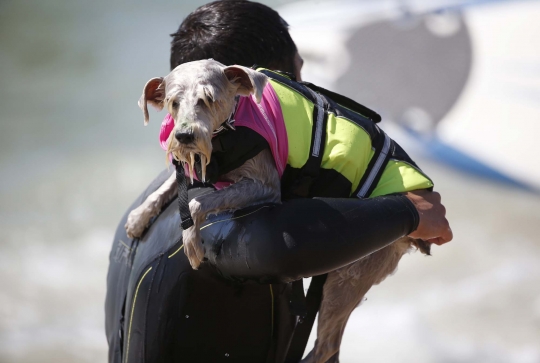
(185, 216)
(304, 325)
(383, 150)
(297, 300)
(311, 169)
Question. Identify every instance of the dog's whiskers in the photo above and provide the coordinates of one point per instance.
(203, 167)
(178, 153)
(191, 165)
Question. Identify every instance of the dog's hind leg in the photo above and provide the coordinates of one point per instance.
(344, 290)
(340, 297)
(139, 218)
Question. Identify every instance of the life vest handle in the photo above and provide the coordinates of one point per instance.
(346, 102)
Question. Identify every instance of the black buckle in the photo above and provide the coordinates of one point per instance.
(186, 223)
(297, 302)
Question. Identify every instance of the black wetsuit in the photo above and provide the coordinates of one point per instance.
(160, 310)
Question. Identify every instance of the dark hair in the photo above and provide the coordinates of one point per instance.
(234, 32)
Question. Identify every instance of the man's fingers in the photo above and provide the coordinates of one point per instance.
(446, 236)
(438, 241)
(437, 197)
(443, 210)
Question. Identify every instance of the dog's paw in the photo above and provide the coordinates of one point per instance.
(193, 247)
(137, 221)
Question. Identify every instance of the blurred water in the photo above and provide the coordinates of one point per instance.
(74, 154)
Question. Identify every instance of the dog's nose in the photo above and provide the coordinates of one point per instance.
(184, 137)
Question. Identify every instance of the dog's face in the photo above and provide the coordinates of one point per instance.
(200, 96)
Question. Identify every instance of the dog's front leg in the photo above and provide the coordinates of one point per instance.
(139, 218)
(244, 193)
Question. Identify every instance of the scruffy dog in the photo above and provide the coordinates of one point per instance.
(199, 96)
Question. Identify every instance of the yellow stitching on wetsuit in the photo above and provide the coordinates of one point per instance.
(272, 325)
(224, 220)
(132, 310)
(230, 219)
(175, 252)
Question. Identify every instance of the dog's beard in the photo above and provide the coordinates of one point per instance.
(185, 154)
(202, 144)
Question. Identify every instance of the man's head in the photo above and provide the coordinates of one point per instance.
(236, 32)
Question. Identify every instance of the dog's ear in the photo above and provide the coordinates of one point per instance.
(248, 81)
(153, 93)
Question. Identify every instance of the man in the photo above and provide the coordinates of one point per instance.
(247, 33)
(158, 309)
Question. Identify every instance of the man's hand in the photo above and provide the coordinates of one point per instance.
(433, 226)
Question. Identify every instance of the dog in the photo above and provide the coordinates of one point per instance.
(199, 96)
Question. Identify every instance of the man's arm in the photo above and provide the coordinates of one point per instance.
(308, 237)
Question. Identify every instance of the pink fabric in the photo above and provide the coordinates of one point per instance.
(167, 125)
(265, 118)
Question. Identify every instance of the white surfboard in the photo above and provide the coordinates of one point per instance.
(457, 81)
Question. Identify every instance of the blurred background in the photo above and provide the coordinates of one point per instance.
(457, 83)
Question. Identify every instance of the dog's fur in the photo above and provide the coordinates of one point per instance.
(200, 96)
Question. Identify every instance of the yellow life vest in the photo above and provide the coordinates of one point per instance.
(335, 147)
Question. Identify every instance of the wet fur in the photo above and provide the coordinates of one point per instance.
(255, 182)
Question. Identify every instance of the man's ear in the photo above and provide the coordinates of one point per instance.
(153, 93)
(248, 81)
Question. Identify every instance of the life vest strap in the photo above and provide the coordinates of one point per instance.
(297, 86)
(304, 324)
(312, 166)
(346, 102)
(185, 215)
(311, 169)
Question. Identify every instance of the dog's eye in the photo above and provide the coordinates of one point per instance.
(175, 104)
(201, 102)
(208, 95)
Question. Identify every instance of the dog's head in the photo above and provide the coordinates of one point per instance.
(200, 96)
